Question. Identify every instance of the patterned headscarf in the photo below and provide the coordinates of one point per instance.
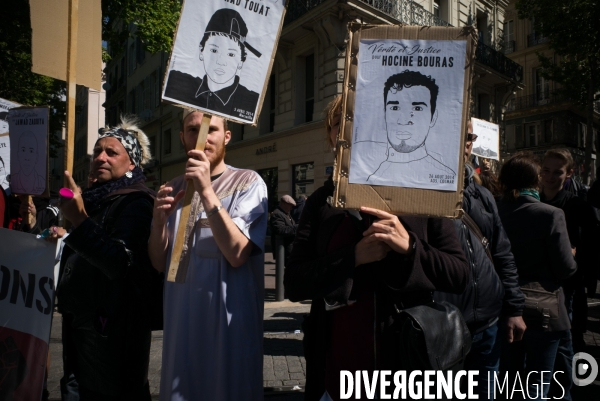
(127, 139)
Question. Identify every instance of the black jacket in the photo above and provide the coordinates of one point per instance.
(322, 267)
(283, 224)
(540, 244)
(493, 289)
(103, 269)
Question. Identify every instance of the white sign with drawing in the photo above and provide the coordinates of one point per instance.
(487, 144)
(29, 150)
(222, 55)
(408, 113)
(5, 105)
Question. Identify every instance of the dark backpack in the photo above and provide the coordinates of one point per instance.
(148, 285)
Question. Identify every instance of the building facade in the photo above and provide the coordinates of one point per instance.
(288, 146)
(90, 115)
(536, 119)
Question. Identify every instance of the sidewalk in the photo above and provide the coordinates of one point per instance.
(284, 367)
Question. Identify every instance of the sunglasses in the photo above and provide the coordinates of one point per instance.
(471, 137)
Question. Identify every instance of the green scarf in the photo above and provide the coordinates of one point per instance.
(530, 192)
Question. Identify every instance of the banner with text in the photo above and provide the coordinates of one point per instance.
(26, 302)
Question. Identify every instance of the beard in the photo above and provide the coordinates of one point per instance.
(403, 147)
(217, 153)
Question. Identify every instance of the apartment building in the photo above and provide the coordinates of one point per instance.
(536, 119)
(288, 146)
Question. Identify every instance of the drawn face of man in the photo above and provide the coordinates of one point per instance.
(27, 153)
(486, 141)
(2, 172)
(408, 118)
(222, 58)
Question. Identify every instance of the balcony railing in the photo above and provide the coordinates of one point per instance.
(534, 100)
(404, 11)
(534, 39)
(498, 61)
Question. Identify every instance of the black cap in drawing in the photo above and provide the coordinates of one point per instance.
(231, 23)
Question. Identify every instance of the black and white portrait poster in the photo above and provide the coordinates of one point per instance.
(5, 106)
(408, 113)
(487, 143)
(28, 150)
(222, 55)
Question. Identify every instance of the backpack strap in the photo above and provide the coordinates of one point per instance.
(474, 228)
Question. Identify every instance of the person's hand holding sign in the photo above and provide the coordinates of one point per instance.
(389, 230)
(73, 208)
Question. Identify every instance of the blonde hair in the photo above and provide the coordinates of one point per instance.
(331, 110)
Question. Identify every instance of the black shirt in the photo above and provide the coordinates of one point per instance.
(235, 100)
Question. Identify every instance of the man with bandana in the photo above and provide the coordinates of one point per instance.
(222, 52)
(410, 112)
(104, 286)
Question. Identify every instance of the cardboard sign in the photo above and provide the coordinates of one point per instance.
(5, 106)
(487, 143)
(26, 304)
(49, 40)
(405, 112)
(222, 56)
(29, 150)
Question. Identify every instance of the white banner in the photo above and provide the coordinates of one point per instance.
(222, 56)
(26, 304)
(487, 143)
(5, 105)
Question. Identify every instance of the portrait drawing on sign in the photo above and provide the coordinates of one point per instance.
(410, 112)
(223, 51)
(27, 180)
(485, 147)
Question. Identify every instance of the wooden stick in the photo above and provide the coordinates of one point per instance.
(29, 220)
(71, 90)
(177, 273)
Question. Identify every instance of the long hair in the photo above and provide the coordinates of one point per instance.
(332, 109)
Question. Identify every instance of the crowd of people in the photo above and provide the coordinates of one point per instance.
(540, 233)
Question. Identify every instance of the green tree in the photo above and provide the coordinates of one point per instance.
(571, 28)
(155, 23)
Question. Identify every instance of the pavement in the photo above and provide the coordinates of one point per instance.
(284, 366)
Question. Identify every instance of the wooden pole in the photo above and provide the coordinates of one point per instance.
(177, 273)
(71, 84)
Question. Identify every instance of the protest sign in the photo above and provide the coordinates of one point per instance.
(406, 101)
(26, 303)
(29, 150)
(5, 105)
(488, 139)
(223, 55)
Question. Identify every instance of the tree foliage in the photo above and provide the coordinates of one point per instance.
(155, 22)
(572, 30)
(17, 82)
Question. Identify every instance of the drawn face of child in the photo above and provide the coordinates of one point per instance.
(222, 58)
(408, 118)
(27, 153)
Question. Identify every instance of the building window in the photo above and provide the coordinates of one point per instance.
(482, 28)
(309, 91)
(533, 134)
(131, 64)
(303, 179)
(542, 87)
(519, 137)
(548, 137)
(167, 142)
(267, 115)
(237, 132)
(509, 37)
(140, 51)
(152, 141)
(436, 8)
(270, 177)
